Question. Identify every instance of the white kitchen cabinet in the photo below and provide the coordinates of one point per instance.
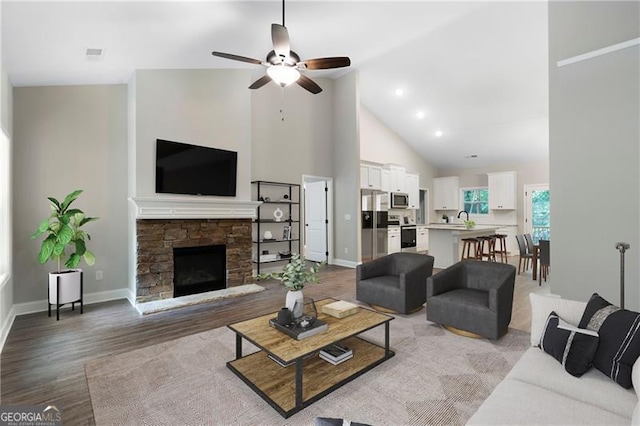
(394, 245)
(446, 193)
(422, 238)
(413, 189)
(397, 179)
(386, 180)
(370, 177)
(512, 244)
(502, 191)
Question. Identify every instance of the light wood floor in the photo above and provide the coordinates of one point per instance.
(43, 359)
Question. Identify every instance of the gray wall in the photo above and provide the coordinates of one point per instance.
(594, 152)
(282, 151)
(346, 169)
(68, 138)
(201, 107)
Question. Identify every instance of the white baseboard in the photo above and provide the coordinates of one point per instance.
(345, 263)
(4, 333)
(89, 298)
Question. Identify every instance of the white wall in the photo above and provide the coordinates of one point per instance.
(282, 151)
(528, 174)
(67, 138)
(594, 149)
(201, 107)
(379, 144)
(346, 170)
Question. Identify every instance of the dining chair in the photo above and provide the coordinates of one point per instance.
(529, 241)
(524, 253)
(544, 259)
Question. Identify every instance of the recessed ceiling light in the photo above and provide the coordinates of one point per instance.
(420, 114)
(399, 92)
(439, 133)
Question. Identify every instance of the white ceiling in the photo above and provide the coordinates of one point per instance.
(478, 70)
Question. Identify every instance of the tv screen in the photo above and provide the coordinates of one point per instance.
(197, 170)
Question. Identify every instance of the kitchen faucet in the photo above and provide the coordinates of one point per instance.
(465, 212)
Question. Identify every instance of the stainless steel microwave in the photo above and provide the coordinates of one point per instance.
(399, 200)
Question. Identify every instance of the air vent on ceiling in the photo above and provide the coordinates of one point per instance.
(471, 156)
(94, 54)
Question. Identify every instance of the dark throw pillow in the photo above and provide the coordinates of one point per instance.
(619, 338)
(574, 348)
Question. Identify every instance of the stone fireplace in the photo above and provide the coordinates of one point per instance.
(157, 239)
(199, 269)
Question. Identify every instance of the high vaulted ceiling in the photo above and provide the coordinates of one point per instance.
(476, 70)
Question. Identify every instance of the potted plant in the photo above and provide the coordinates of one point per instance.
(445, 218)
(294, 276)
(470, 224)
(62, 229)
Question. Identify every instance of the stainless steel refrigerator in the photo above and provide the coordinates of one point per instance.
(374, 222)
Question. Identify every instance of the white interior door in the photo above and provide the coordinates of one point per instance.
(315, 213)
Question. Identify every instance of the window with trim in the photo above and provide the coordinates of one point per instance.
(475, 200)
(4, 206)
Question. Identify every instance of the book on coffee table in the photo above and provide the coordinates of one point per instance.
(336, 352)
(340, 309)
(297, 332)
(331, 361)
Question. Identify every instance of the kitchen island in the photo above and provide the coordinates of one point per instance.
(445, 241)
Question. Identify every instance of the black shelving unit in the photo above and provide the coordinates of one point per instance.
(276, 195)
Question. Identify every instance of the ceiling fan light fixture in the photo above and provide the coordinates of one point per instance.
(283, 75)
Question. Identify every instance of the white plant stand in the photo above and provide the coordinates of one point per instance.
(65, 288)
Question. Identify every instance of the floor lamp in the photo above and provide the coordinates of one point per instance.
(622, 247)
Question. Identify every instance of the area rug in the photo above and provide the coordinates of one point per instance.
(194, 299)
(436, 377)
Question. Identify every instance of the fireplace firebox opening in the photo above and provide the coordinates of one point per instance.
(199, 269)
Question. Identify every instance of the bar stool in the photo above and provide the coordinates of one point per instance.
(501, 248)
(467, 243)
(489, 243)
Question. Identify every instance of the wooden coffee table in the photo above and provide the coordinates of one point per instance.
(290, 389)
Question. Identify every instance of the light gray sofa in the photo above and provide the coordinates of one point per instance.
(538, 390)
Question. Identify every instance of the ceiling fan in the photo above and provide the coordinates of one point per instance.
(284, 65)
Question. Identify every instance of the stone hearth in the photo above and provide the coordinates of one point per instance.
(156, 239)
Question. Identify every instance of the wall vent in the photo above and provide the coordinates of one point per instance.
(94, 54)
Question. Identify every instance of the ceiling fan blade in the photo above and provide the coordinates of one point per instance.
(325, 63)
(308, 84)
(260, 82)
(280, 38)
(237, 58)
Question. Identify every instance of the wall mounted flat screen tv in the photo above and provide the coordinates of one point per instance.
(197, 170)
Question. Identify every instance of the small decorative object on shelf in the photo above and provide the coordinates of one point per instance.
(285, 197)
(286, 232)
(278, 214)
(268, 235)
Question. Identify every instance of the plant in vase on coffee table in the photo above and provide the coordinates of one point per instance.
(63, 229)
(294, 276)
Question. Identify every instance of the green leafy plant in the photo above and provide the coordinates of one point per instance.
(296, 273)
(62, 229)
(469, 224)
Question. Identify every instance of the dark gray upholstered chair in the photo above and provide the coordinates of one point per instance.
(397, 281)
(473, 296)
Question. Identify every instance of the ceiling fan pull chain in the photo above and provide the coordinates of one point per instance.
(282, 105)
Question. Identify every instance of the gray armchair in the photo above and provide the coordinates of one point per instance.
(473, 296)
(397, 282)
